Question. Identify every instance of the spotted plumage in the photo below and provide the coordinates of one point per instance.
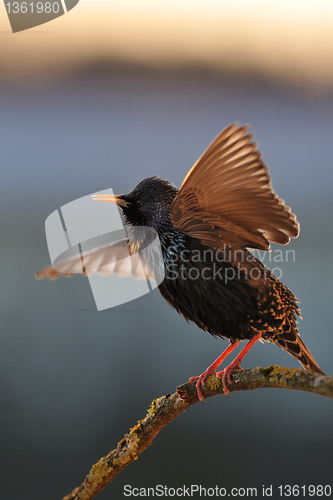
(225, 207)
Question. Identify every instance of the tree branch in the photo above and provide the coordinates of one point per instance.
(165, 409)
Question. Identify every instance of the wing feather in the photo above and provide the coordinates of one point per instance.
(228, 191)
(116, 258)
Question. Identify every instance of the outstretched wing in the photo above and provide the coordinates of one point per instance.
(227, 197)
(116, 258)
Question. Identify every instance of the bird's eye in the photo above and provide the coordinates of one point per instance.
(140, 203)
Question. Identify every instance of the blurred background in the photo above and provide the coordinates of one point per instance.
(104, 96)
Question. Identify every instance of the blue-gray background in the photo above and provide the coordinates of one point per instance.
(74, 380)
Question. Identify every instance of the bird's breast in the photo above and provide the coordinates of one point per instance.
(206, 287)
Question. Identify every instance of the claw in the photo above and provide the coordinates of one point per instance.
(201, 381)
(211, 370)
(227, 372)
(226, 375)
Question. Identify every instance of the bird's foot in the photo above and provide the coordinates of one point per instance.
(201, 381)
(226, 376)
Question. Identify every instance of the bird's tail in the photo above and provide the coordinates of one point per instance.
(291, 342)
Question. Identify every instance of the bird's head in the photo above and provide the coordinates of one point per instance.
(148, 204)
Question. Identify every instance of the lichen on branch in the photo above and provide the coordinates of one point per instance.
(166, 408)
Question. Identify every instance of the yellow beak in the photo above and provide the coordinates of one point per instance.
(111, 198)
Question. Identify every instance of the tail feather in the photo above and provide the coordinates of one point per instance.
(291, 342)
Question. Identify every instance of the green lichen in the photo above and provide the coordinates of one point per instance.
(268, 369)
(212, 382)
(153, 408)
(100, 470)
(137, 428)
(279, 373)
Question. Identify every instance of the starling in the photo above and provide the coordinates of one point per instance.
(225, 208)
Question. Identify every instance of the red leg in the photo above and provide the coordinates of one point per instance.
(212, 368)
(234, 365)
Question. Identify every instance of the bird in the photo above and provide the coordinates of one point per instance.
(208, 231)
